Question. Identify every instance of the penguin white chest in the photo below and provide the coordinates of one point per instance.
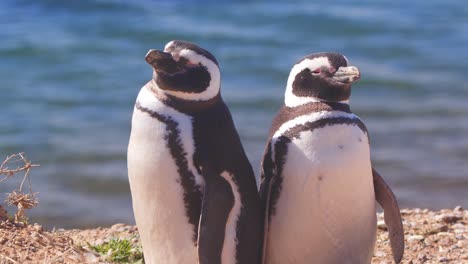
(155, 181)
(325, 212)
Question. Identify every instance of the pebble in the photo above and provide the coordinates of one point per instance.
(458, 209)
(381, 225)
(442, 249)
(437, 229)
(91, 258)
(119, 227)
(443, 259)
(446, 241)
(379, 254)
(415, 238)
(448, 218)
(35, 236)
(441, 234)
(422, 257)
(37, 227)
(458, 226)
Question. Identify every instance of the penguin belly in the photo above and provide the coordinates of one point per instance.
(157, 194)
(325, 212)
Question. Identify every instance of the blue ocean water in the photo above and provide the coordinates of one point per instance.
(70, 72)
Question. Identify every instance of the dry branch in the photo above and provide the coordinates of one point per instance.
(18, 198)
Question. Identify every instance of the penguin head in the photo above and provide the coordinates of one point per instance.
(185, 71)
(323, 76)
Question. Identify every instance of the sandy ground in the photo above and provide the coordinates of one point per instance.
(431, 237)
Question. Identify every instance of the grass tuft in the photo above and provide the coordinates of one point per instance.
(120, 250)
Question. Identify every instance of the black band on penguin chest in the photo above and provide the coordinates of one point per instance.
(192, 195)
(281, 148)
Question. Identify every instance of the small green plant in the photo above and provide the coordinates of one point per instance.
(120, 250)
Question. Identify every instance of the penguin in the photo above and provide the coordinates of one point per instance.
(318, 186)
(194, 192)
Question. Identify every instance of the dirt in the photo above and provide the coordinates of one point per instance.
(430, 237)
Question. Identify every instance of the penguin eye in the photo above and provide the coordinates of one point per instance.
(317, 71)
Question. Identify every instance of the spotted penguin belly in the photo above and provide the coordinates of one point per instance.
(325, 212)
(166, 190)
(157, 195)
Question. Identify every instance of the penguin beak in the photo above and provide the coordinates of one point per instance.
(347, 74)
(161, 61)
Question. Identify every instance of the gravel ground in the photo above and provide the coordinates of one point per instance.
(430, 237)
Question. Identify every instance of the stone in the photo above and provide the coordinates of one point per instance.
(448, 218)
(415, 238)
(443, 259)
(381, 225)
(91, 258)
(437, 228)
(458, 226)
(37, 227)
(422, 257)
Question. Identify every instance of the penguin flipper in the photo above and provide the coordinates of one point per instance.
(267, 179)
(218, 200)
(265, 194)
(392, 216)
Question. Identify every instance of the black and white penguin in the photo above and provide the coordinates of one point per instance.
(318, 186)
(193, 189)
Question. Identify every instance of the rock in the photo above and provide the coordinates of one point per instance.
(458, 226)
(422, 257)
(91, 258)
(458, 209)
(446, 241)
(37, 227)
(381, 225)
(119, 227)
(443, 259)
(415, 238)
(448, 218)
(437, 229)
(379, 254)
(442, 249)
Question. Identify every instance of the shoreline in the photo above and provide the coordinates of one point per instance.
(430, 237)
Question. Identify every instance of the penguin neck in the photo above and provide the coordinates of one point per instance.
(318, 106)
(183, 105)
(293, 100)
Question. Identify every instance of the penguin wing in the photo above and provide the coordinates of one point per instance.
(267, 179)
(386, 199)
(218, 200)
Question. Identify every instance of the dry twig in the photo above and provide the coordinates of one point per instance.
(18, 198)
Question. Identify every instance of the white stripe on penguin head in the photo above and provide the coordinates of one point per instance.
(292, 100)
